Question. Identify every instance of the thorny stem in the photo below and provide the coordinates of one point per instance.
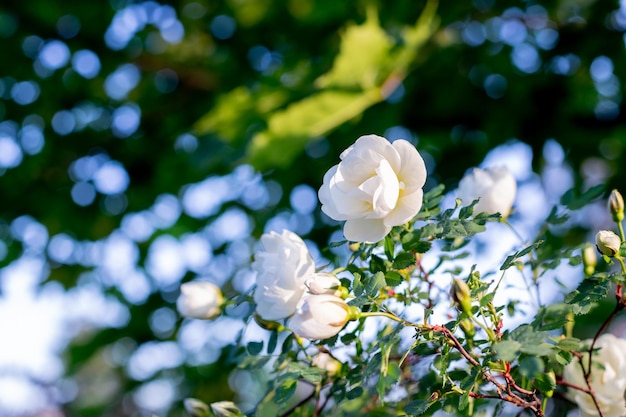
(508, 392)
(587, 372)
(505, 392)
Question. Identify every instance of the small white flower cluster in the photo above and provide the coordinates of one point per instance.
(289, 287)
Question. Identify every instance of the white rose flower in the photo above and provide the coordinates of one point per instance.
(282, 267)
(200, 300)
(319, 316)
(496, 188)
(323, 283)
(608, 378)
(377, 185)
(608, 242)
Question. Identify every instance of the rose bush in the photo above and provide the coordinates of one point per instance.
(282, 266)
(496, 188)
(200, 300)
(608, 378)
(377, 185)
(319, 316)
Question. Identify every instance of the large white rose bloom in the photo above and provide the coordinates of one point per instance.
(319, 316)
(377, 185)
(496, 188)
(608, 378)
(200, 300)
(282, 267)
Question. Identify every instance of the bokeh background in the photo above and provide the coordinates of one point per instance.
(144, 144)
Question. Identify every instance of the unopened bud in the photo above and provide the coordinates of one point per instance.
(468, 328)
(195, 407)
(608, 243)
(226, 409)
(590, 259)
(324, 283)
(327, 362)
(616, 206)
(268, 324)
(461, 295)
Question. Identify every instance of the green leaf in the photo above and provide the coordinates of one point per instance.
(467, 211)
(354, 393)
(418, 407)
(531, 366)
(374, 284)
(532, 342)
(511, 259)
(404, 260)
(363, 52)
(412, 242)
(507, 350)
(568, 344)
(552, 317)
(285, 391)
(308, 119)
(393, 278)
(377, 264)
(545, 383)
(555, 218)
(234, 112)
(271, 343)
(390, 247)
(575, 202)
(254, 348)
(589, 292)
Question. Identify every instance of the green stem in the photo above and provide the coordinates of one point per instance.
(621, 261)
(490, 334)
(389, 316)
(621, 231)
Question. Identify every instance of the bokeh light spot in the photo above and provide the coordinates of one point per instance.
(125, 120)
(63, 122)
(223, 26)
(54, 54)
(86, 63)
(111, 178)
(25, 92)
(10, 153)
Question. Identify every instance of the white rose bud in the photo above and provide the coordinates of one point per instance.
(282, 267)
(226, 409)
(319, 316)
(327, 362)
(324, 283)
(495, 187)
(616, 206)
(195, 407)
(608, 243)
(200, 300)
(377, 185)
(608, 378)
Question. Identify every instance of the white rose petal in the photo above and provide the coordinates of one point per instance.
(282, 267)
(319, 316)
(496, 188)
(200, 300)
(608, 378)
(377, 185)
(323, 283)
